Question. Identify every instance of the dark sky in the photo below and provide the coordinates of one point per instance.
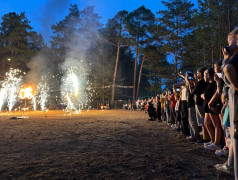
(44, 13)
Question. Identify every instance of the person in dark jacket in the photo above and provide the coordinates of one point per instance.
(158, 108)
(151, 111)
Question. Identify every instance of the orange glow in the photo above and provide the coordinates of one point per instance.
(26, 93)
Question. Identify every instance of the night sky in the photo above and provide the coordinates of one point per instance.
(44, 13)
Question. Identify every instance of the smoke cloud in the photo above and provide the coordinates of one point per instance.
(49, 13)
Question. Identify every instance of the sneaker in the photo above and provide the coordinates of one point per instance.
(212, 147)
(190, 138)
(201, 141)
(222, 152)
(225, 168)
(208, 143)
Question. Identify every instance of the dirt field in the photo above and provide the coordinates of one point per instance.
(110, 144)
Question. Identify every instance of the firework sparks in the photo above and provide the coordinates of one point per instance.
(10, 88)
(3, 93)
(75, 88)
(34, 103)
(43, 91)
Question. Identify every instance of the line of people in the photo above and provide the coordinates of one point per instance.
(206, 103)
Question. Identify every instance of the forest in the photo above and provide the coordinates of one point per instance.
(134, 55)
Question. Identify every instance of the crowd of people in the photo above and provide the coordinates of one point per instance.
(203, 106)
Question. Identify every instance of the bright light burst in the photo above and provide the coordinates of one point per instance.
(3, 97)
(43, 91)
(75, 87)
(10, 88)
(26, 93)
(34, 103)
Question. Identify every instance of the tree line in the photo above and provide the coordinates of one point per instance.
(137, 48)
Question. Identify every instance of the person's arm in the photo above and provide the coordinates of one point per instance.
(179, 84)
(191, 87)
(214, 97)
(230, 73)
(219, 84)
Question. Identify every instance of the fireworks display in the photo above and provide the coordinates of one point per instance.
(26, 93)
(75, 90)
(10, 87)
(75, 87)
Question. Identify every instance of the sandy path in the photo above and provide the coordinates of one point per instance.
(114, 144)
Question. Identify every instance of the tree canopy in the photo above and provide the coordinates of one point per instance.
(137, 48)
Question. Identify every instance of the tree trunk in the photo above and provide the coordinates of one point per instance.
(103, 83)
(134, 84)
(115, 73)
(138, 85)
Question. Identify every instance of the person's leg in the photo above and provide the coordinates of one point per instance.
(234, 122)
(174, 115)
(193, 122)
(184, 119)
(162, 113)
(167, 115)
(159, 114)
(199, 115)
(209, 127)
(192, 130)
(218, 130)
(235, 151)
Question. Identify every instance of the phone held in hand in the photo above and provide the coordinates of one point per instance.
(219, 75)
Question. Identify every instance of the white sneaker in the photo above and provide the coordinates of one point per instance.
(212, 147)
(208, 143)
(225, 168)
(222, 152)
(189, 137)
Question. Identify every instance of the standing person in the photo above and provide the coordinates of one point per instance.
(197, 91)
(177, 112)
(162, 100)
(208, 94)
(172, 106)
(194, 131)
(231, 73)
(158, 108)
(215, 105)
(167, 108)
(215, 134)
(184, 107)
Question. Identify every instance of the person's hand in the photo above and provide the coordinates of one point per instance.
(202, 96)
(187, 80)
(210, 106)
(216, 78)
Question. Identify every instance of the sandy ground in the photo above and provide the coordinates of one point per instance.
(110, 144)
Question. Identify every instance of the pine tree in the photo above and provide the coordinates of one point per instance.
(138, 23)
(176, 20)
(16, 41)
